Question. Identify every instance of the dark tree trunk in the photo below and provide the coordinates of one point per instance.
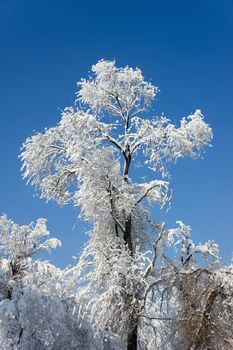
(127, 235)
(128, 158)
(132, 339)
(132, 336)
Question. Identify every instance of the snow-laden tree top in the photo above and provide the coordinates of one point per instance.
(21, 242)
(84, 147)
(121, 91)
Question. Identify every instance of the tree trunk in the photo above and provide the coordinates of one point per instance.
(132, 339)
(127, 235)
(132, 336)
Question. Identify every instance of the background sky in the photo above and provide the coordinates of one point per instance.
(184, 47)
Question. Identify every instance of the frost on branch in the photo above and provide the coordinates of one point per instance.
(114, 282)
(162, 142)
(52, 161)
(116, 90)
(21, 242)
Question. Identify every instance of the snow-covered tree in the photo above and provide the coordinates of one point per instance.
(188, 302)
(90, 159)
(37, 308)
(17, 246)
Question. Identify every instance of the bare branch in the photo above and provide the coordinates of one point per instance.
(141, 198)
(135, 147)
(114, 142)
(152, 264)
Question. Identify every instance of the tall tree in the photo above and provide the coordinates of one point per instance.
(90, 158)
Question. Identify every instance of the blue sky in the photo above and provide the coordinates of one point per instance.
(184, 47)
